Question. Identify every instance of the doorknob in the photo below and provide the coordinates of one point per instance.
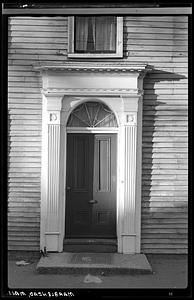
(68, 187)
(92, 201)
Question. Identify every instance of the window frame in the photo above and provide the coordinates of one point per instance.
(119, 42)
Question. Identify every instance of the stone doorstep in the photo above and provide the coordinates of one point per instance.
(101, 263)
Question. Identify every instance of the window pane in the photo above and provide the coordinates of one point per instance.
(95, 34)
(81, 33)
(105, 33)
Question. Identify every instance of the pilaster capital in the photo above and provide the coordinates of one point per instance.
(130, 103)
(130, 119)
(53, 117)
(53, 101)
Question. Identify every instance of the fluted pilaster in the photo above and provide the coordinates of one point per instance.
(129, 189)
(53, 178)
(51, 197)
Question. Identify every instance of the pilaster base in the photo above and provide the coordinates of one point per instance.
(52, 241)
(129, 244)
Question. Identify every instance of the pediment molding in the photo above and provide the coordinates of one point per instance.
(93, 66)
(93, 78)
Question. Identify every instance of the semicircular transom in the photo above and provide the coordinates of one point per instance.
(92, 114)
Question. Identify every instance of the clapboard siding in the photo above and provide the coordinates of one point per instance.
(164, 156)
(28, 43)
(160, 41)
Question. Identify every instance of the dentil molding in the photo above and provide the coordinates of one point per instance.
(93, 66)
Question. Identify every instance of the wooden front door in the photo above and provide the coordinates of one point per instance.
(91, 186)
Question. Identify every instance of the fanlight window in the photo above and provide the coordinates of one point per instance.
(92, 114)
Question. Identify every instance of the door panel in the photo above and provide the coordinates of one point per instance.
(80, 163)
(79, 184)
(102, 164)
(91, 185)
(104, 188)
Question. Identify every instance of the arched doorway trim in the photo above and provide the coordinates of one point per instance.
(93, 114)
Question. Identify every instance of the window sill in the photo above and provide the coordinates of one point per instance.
(95, 55)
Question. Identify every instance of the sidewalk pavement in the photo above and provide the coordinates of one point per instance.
(169, 271)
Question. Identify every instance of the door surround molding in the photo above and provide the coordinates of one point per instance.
(120, 87)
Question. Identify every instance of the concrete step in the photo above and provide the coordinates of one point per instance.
(93, 263)
(90, 245)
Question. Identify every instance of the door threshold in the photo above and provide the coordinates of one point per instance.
(89, 245)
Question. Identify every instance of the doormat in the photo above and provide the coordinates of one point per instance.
(91, 258)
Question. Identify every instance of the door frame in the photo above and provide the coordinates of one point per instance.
(128, 111)
(100, 130)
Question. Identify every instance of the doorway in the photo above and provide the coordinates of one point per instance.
(95, 98)
(91, 186)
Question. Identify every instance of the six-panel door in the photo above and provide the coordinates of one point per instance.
(91, 186)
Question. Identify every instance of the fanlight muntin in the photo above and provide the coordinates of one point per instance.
(92, 115)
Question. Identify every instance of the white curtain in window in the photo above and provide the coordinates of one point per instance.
(81, 33)
(101, 36)
(94, 29)
(105, 33)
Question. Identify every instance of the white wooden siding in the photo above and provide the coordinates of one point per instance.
(159, 41)
(162, 43)
(30, 40)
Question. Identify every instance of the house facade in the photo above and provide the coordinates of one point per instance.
(98, 132)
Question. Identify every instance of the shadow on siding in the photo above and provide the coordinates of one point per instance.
(163, 112)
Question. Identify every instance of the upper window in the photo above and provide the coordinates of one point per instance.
(95, 36)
